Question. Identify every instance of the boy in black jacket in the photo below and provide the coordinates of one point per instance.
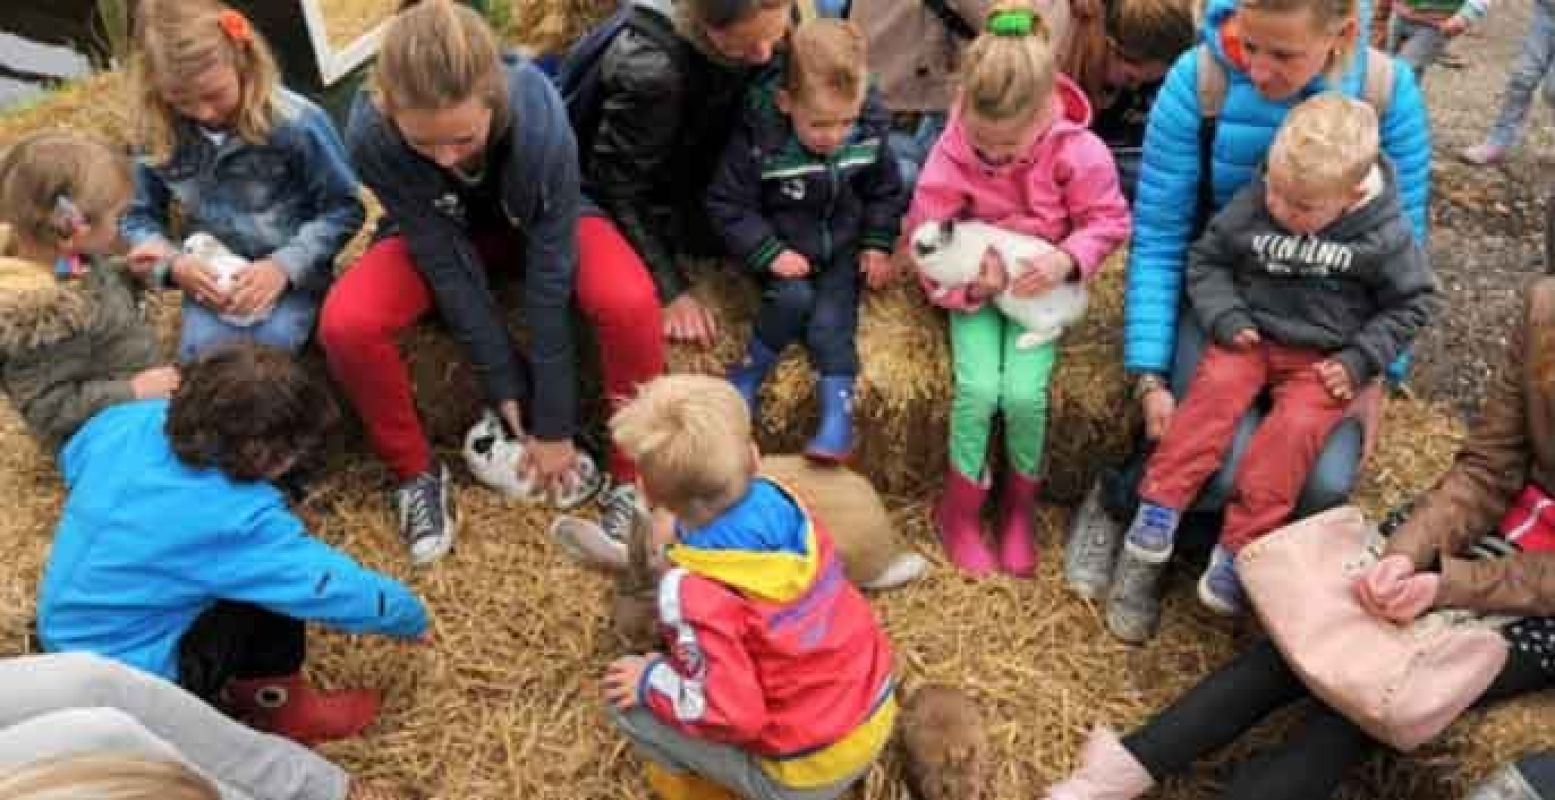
(1309, 283)
(809, 199)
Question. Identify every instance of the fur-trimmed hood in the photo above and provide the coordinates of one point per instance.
(36, 309)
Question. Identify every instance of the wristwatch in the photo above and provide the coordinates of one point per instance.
(1147, 383)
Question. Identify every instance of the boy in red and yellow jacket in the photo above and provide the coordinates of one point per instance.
(777, 678)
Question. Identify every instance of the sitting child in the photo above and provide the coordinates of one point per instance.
(1309, 283)
(72, 338)
(777, 682)
(175, 555)
(808, 197)
(256, 166)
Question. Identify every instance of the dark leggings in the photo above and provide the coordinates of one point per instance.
(238, 641)
(1312, 760)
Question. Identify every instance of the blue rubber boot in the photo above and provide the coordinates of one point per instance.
(833, 441)
(748, 375)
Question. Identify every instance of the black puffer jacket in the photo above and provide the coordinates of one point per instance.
(664, 119)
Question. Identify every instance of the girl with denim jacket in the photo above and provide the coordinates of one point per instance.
(259, 168)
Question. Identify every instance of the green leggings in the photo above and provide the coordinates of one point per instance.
(991, 376)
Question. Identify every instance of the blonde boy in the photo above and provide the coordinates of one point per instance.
(777, 679)
(1309, 283)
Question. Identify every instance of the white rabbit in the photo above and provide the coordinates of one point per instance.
(228, 266)
(950, 253)
(493, 454)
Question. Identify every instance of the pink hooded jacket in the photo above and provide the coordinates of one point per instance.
(1065, 190)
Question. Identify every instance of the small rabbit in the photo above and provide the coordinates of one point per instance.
(228, 266)
(942, 736)
(493, 454)
(950, 253)
(635, 608)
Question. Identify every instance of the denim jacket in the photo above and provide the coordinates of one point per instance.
(293, 199)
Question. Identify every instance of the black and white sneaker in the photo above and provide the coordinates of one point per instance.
(426, 517)
(618, 508)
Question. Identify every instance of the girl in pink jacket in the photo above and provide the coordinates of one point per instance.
(1017, 154)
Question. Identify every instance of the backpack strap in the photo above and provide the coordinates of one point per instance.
(1378, 89)
(1212, 83)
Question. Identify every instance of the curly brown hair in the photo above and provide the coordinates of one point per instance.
(248, 411)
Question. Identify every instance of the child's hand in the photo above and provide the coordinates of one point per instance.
(155, 382)
(1394, 591)
(1044, 273)
(1453, 26)
(789, 264)
(687, 320)
(876, 267)
(552, 464)
(992, 276)
(1246, 339)
(143, 257)
(621, 680)
(199, 281)
(258, 288)
(1336, 379)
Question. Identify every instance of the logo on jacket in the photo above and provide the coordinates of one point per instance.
(793, 188)
(687, 653)
(449, 205)
(1306, 256)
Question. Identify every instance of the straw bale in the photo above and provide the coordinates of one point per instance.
(93, 105)
(548, 26)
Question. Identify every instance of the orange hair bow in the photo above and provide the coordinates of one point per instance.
(236, 26)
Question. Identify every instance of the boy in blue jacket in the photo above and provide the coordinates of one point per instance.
(808, 198)
(175, 554)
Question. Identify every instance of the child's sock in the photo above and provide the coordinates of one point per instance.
(1153, 531)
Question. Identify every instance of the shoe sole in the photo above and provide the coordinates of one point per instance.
(827, 458)
(902, 570)
(441, 550)
(1147, 556)
(1212, 601)
(609, 555)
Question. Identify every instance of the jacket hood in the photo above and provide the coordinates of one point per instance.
(1074, 116)
(1222, 41)
(35, 308)
(1379, 216)
(764, 545)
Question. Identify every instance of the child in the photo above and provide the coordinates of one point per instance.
(808, 197)
(1017, 154)
(175, 555)
(777, 682)
(1310, 283)
(72, 338)
(1419, 30)
(252, 164)
(1533, 71)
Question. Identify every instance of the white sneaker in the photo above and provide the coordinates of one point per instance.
(587, 543)
(427, 523)
(904, 569)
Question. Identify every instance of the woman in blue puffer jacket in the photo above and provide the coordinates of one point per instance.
(1272, 54)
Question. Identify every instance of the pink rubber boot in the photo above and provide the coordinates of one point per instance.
(1017, 545)
(959, 520)
(1108, 771)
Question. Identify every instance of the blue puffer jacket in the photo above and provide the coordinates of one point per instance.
(1166, 201)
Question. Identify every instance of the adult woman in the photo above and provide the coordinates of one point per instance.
(1512, 447)
(56, 706)
(473, 160)
(1272, 54)
(1119, 52)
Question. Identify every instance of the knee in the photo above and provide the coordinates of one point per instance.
(978, 398)
(1333, 474)
(345, 324)
(793, 298)
(628, 295)
(1023, 404)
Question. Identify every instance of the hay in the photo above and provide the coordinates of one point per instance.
(94, 105)
(548, 26)
(345, 20)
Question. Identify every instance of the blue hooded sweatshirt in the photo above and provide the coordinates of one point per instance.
(146, 544)
(1166, 202)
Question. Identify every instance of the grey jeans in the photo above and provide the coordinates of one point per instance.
(1533, 70)
(728, 766)
(1417, 43)
(74, 703)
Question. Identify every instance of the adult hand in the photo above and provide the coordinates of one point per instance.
(876, 267)
(258, 288)
(1158, 405)
(1246, 339)
(686, 320)
(622, 678)
(199, 282)
(155, 382)
(1044, 273)
(1453, 26)
(143, 257)
(790, 265)
(551, 464)
(1335, 378)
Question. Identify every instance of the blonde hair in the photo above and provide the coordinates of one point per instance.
(1007, 77)
(690, 436)
(1139, 30)
(829, 56)
(48, 177)
(105, 777)
(1325, 14)
(1328, 144)
(178, 40)
(438, 54)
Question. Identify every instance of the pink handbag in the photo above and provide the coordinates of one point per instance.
(1403, 684)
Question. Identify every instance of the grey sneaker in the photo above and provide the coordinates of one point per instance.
(1134, 601)
(1092, 547)
(426, 517)
(1506, 783)
(618, 507)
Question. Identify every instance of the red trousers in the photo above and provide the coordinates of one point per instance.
(1281, 453)
(383, 294)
